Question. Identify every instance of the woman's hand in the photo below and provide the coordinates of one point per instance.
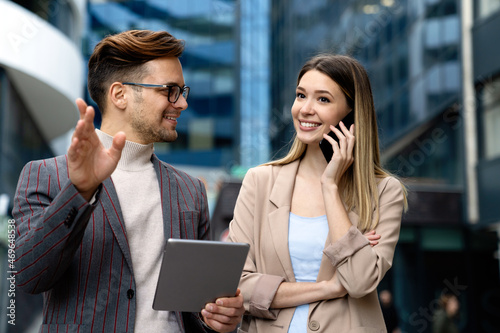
(342, 154)
(372, 237)
(333, 288)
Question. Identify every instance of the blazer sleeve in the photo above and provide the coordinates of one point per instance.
(258, 289)
(51, 217)
(361, 267)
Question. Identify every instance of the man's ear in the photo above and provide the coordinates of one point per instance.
(118, 95)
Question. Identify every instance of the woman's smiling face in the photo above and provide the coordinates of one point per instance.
(319, 103)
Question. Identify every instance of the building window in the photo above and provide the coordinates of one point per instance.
(433, 156)
(486, 7)
(490, 98)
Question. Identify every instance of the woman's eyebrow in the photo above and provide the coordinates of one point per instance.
(323, 92)
(317, 91)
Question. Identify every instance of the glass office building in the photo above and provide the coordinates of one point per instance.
(486, 69)
(254, 76)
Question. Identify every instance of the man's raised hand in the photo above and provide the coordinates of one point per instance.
(89, 163)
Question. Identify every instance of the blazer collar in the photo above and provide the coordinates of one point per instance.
(169, 202)
(281, 198)
(113, 213)
(281, 194)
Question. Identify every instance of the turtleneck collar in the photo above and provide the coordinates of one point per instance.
(135, 156)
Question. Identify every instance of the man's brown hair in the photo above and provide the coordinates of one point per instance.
(120, 58)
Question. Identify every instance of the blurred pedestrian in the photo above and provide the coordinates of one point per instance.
(389, 311)
(446, 315)
(310, 266)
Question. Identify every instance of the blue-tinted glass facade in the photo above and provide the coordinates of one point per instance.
(208, 128)
(254, 98)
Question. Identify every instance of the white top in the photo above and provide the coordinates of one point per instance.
(138, 192)
(306, 241)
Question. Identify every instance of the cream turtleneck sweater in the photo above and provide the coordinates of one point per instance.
(138, 192)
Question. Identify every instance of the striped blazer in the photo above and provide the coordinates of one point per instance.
(77, 253)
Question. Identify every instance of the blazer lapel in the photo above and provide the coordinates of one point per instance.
(280, 199)
(170, 211)
(169, 202)
(111, 205)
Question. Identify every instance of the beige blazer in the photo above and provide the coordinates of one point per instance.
(261, 219)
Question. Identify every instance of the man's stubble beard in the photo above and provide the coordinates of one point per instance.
(150, 133)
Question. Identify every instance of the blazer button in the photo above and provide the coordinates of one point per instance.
(71, 216)
(130, 294)
(314, 325)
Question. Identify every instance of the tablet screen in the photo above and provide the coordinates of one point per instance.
(196, 272)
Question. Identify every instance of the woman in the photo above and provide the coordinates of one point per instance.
(294, 210)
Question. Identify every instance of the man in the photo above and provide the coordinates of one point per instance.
(92, 224)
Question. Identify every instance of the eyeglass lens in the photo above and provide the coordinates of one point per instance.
(175, 92)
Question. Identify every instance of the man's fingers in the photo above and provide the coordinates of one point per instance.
(82, 107)
(220, 323)
(231, 302)
(85, 126)
(72, 150)
(89, 115)
(118, 143)
(220, 327)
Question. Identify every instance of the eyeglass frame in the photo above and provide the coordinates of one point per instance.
(184, 91)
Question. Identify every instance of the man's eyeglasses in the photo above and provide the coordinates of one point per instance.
(174, 91)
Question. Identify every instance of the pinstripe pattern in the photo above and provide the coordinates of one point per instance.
(77, 254)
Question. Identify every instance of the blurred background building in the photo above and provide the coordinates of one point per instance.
(41, 74)
(436, 83)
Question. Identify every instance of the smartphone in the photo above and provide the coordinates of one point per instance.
(326, 147)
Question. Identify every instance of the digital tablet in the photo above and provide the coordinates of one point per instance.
(196, 272)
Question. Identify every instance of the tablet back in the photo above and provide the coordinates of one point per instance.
(196, 272)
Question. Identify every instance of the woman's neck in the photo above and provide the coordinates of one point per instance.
(313, 163)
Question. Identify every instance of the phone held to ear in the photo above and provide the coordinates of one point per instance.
(326, 147)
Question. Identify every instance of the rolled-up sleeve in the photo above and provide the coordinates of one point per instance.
(361, 267)
(264, 291)
(346, 246)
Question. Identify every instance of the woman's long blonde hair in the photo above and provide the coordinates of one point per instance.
(358, 185)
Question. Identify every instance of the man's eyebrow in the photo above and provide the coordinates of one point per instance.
(173, 83)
